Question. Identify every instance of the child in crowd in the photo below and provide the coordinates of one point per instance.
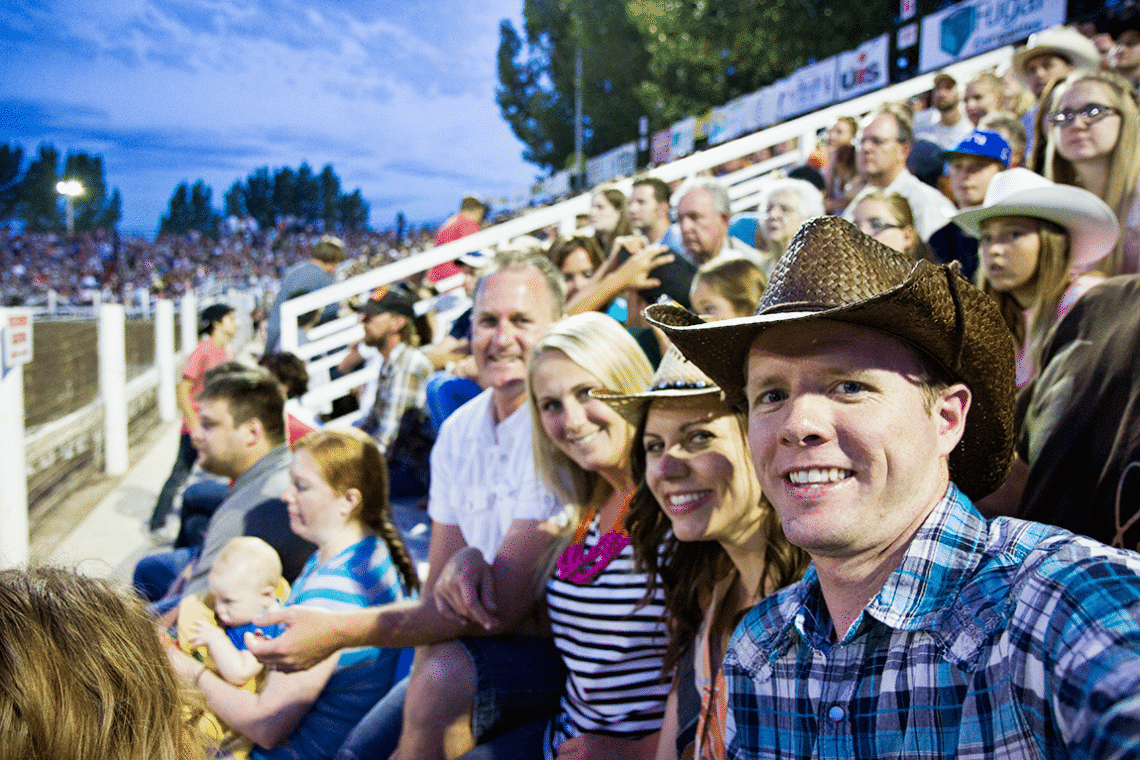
(1038, 243)
(243, 583)
(727, 287)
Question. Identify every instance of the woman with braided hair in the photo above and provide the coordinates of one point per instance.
(338, 500)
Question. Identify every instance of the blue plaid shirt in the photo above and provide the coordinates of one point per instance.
(999, 639)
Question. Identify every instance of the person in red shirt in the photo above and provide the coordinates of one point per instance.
(468, 221)
(217, 325)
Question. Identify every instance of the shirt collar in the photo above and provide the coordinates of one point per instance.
(939, 561)
(279, 457)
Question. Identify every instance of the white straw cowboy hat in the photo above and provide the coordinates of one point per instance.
(833, 271)
(676, 378)
(1092, 226)
(1062, 41)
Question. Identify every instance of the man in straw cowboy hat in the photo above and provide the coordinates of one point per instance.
(880, 402)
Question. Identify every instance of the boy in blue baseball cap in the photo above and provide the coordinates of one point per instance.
(973, 162)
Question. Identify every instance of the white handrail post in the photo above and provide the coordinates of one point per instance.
(113, 386)
(14, 542)
(189, 322)
(164, 358)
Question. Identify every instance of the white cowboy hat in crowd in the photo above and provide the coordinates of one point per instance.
(1092, 226)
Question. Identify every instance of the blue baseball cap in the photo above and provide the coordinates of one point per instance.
(980, 142)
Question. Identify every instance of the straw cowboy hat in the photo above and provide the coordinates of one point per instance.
(1062, 41)
(833, 271)
(1092, 226)
(676, 378)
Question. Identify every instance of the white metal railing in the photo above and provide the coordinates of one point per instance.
(745, 189)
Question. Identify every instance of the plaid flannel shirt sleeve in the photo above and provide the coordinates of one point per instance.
(402, 386)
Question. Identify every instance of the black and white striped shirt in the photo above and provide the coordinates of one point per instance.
(613, 652)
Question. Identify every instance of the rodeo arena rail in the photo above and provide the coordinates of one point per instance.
(38, 453)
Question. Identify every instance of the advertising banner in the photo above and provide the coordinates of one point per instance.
(681, 138)
(975, 26)
(659, 147)
(863, 69)
(813, 87)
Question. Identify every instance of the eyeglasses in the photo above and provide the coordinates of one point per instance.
(1091, 113)
(874, 226)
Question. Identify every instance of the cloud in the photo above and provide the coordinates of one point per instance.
(400, 96)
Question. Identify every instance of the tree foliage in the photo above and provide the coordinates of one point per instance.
(299, 194)
(665, 59)
(11, 161)
(190, 209)
(31, 194)
(536, 92)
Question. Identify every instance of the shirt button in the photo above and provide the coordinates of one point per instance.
(835, 713)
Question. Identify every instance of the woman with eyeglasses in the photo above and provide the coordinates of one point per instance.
(1094, 143)
(887, 217)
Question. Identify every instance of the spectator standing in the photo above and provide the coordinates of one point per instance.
(388, 317)
(883, 146)
(877, 411)
(944, 123)
(217, 325)
(468, 221)
(973, 163)
(302, 278)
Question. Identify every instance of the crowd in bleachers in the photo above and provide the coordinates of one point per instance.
(706, 484)
(89, 267)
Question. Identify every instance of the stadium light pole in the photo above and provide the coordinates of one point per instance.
(70, 189)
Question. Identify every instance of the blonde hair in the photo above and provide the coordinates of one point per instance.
(1054, 262)
(605, 349)
(1124, 159)
(253, 557)
(900, 209)
(738, 279)
(83, 675)
(601, 346)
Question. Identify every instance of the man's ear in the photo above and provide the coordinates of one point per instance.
(256, 431)
(950, 411)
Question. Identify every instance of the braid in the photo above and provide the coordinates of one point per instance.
(387, 531)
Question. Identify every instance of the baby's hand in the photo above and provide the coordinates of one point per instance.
(204, 634)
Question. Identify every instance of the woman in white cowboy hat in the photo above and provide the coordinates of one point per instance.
(704, 534)
(1038, 243)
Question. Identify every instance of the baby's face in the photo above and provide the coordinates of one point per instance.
(237, 598)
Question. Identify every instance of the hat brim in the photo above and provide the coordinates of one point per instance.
(1080, 61)
(1092, 226)
(632, 406)
(926, 312)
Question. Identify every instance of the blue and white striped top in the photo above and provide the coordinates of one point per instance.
(363, 575)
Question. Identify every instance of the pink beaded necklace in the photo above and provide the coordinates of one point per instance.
(581, 567)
